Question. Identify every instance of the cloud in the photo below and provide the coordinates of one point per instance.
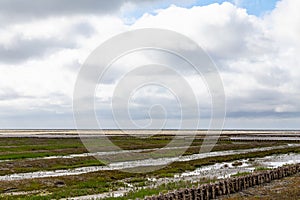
(225, 31)
(257, 57)
(18, 10)
(14, 11)
(23, 49)
(8, 94)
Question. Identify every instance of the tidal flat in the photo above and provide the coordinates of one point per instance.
(43, 165)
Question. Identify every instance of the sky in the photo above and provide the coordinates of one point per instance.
(254, 43)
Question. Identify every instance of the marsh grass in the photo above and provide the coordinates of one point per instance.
(103, 181)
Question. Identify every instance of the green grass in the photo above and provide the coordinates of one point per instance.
(46, 165)
(164, 188)
(262, 168)
(15, 156)
(79, 186)
(20, 148)
(39, 147)
(103, 181)
(16, 149)
(19, 165)
(240, 174)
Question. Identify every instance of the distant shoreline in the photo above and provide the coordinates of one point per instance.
(66, 129)
(90, 133)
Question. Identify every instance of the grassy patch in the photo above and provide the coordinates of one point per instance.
(24, 166)
(52, 147)
(20, 148)
(240, 174)
(261, 169)
(103, 181)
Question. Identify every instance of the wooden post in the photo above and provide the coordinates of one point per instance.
(213, 191)
(185, 194)
(207, 192)
(204, 191)
(239, 184)
(223, 187)
(233, 181)
(198, 193)
(192, 192)
(250, 181)
(228, 186)
(244, 182)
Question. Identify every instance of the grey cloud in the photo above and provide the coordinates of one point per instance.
(24, 49)
(262, 114)
(19, 10)
(260, 96)
(83, 28)
(263, 103)
(7, 94)
(12, 94)
(27, 119)
(38, 112)
(274, 77)
(238, 39)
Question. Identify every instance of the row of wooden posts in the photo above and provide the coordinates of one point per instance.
(228, 186)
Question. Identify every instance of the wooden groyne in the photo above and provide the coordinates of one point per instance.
(228, 186)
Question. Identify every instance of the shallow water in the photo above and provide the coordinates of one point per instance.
(218, 170)
(132, 164)
(226, 169)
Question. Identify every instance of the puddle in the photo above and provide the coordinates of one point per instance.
(118, 193)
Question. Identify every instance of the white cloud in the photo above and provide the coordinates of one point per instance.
(258, 57)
